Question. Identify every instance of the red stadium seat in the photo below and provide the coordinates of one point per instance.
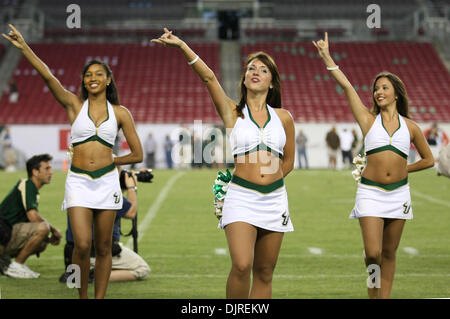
(151, 80)
(310, 94)
(157, 85)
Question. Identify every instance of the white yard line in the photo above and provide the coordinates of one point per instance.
(219, 253)
(430, 198)
(315, 251)
(362, 275)
(411, 251)
(151, 213)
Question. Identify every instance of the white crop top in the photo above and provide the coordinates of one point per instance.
(378, 139)
(84, 130)
(247, 137)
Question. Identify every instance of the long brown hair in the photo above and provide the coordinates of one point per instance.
(400, 92)
(274, 95)
(111, 90)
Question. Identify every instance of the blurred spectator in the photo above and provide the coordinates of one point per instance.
(197, 148)
(150, 148)
(346, 141)
(412, 153)
(116, 147)
(333, 145)
(185, 148)
(219, 156)
(356, 148)
(443, 167)
(301, 141)
(10, 155)
(168, 145)
(13, 92)
(437, 139)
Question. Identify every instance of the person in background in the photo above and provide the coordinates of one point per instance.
(333, 145)
(346, 141)
(23, 231)
(301, 141)
(168, 145)
(437, 140)
(150, 150)
(13, 91)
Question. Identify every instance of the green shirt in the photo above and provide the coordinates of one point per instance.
(22, 198)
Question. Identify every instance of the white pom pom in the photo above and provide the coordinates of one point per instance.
(356, 175)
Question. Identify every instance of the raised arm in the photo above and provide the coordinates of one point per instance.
(360, 112)
(67, 99)
(225, 106)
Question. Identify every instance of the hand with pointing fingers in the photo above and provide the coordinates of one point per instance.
(15, 37)
(323, 47)
(168, 39)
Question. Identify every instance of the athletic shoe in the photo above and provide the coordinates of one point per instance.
(35, 274)
(17, 270)
(64, 277)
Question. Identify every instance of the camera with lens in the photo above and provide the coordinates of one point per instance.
(142, 176)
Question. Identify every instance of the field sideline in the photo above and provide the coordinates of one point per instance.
(188, 255)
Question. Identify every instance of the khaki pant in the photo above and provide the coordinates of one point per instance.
(128, 260)
(21, 233)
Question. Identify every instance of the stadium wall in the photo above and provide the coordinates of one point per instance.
(54, 139)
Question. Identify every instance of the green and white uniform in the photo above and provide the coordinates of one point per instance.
(99, 189)
(264, 206)
(384, 200)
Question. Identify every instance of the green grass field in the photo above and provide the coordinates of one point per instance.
(189, 258)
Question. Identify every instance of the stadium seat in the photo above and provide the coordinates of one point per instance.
(306, 83)
(157, 85)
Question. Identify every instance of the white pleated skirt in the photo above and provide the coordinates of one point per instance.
(95, 190)
(264, 207)
(376, 202)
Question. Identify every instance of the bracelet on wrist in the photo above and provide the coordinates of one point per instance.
(132, 187)
(193, 61)
(333, 68)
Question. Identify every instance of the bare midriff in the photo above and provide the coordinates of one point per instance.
(385, 167)
(91, 156)
(260, 167)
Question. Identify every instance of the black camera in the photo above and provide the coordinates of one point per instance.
(142, 176)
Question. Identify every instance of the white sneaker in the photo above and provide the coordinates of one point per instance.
(35, 274)
(17, 270)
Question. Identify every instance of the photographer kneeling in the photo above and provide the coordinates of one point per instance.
(126, 264)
